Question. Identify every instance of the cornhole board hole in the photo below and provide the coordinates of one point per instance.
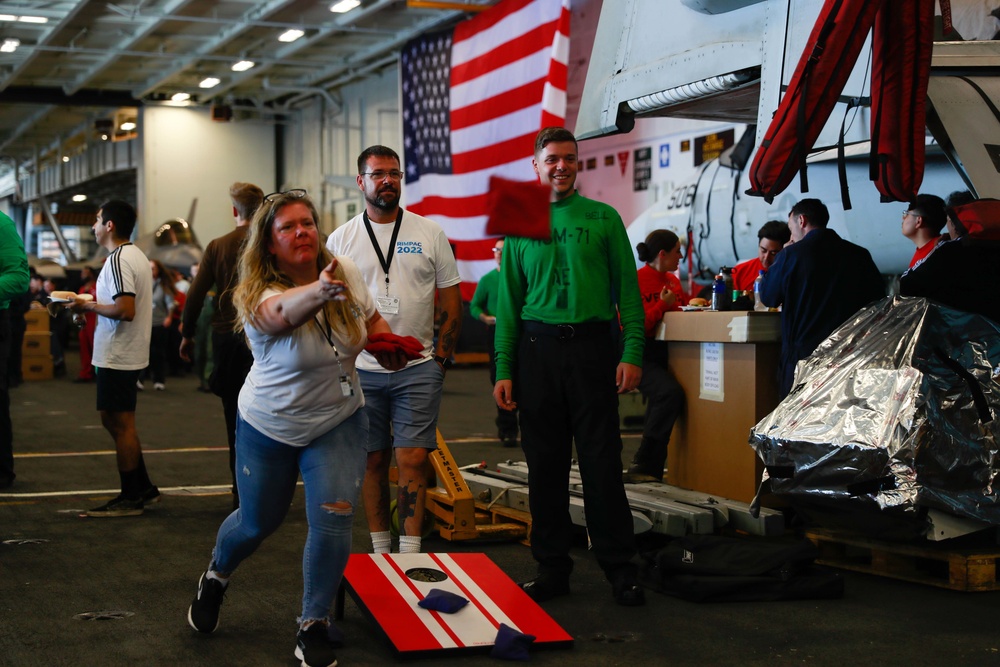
(387, 588)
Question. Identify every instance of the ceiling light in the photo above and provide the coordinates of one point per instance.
(180, 97)
(127, 126)
(243, 65)
(9, 45)
(209, 82)
(344, 6)
(290, 35)
(65, 158)
(23, 19)
(79, 198)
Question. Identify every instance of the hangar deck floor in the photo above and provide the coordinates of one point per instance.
(149, 565)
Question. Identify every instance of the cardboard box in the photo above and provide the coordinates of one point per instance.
(709, 326)
(36, 368)
(36, 344)
(37, 319)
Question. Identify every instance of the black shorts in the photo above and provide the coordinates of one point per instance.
(116, 390)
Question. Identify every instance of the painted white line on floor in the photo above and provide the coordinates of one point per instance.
(111, 452)
(210, 489)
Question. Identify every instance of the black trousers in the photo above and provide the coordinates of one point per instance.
(664, 403)
(506, 419)
(231, 361)
(565, 390)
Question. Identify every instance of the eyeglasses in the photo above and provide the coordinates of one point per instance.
(915, 214)
(497, 251)
(297, 193)
(380, 175)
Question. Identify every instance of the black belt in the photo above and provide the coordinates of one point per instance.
(567, 331)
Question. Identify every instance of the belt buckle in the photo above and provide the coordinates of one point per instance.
(566, 331)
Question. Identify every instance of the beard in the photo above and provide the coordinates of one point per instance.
(380, 202)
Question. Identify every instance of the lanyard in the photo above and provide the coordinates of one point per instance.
(328, 335)
(392, 244)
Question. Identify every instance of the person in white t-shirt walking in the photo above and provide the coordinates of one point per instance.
(405, 260)
(124, 306)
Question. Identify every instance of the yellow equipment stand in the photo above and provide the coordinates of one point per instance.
(457, 514)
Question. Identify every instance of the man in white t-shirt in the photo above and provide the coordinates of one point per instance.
(405, 260)
(124, 306)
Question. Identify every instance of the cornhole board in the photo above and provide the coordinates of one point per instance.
(387, 588)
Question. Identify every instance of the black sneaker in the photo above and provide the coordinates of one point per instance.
(151, 496)
(120, 506)
(203, 614)
(314, 648)
(545, 587)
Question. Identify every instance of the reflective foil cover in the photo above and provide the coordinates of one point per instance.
(894, 413)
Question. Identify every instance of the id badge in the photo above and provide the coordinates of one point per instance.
(346, 388)
(387, 305)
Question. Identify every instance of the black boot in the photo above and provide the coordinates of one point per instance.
(648, 462)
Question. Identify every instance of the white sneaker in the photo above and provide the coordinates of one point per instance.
(159, 386)
(139, 385)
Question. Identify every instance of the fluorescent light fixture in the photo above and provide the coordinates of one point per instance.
(243, 65)
(127, 126)
(79, 198)
(180, 97)
(9, 45)
(290, 35)
(344, 6)
(209, 82)
(23, 19)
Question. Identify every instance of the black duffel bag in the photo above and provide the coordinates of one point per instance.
(712, 568)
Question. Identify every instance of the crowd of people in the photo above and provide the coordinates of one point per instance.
(277, 324)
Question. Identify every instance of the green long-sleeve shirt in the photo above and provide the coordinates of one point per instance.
(13, 263)
(484, 300)
(580, 275)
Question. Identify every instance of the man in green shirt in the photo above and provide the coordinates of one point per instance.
(13, 283)
(557, 355)
(484, 308)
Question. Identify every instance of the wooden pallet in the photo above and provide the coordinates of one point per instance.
(935, 564)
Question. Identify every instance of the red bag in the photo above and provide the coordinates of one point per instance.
(518, 209)
(390, 342)
(902, 41)
(815, 87)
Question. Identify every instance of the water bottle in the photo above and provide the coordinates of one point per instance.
(757, 303)
(719, 300)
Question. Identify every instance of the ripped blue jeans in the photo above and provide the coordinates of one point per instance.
(332, 468)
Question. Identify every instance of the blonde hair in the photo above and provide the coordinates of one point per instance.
(258, 271)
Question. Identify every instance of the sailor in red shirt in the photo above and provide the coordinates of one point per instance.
(923, 221)
(661, 291)
(771, 238)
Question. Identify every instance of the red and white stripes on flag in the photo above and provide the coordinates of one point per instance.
(473, 100)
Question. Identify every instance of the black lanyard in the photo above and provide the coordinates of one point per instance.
(392, 244)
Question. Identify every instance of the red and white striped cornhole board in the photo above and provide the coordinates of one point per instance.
(387, 587)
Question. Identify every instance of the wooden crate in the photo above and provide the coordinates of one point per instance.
(933, 563)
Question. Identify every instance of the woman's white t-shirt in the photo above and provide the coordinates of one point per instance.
(293, 392)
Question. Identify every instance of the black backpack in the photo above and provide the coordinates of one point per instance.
(711, 568)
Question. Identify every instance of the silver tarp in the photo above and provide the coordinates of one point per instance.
(895, 411)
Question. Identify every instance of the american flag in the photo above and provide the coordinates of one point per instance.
(473, 100)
